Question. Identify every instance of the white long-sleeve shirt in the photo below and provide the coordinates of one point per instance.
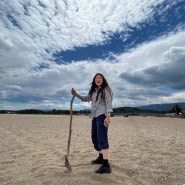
(101, 106)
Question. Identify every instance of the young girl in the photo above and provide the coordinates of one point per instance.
(100, 95)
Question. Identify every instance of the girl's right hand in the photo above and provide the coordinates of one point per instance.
(73, 92)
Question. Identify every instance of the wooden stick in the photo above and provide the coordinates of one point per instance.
(68, 166)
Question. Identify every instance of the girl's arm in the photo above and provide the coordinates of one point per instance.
(108, 101)
(108, 104)
(83, 98)
(74, 93)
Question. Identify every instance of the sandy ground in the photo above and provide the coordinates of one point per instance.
(143, 151)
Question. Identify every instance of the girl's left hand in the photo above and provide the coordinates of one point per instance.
(107, 121)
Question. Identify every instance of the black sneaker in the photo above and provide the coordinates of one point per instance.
(98, 160)
(104, 169)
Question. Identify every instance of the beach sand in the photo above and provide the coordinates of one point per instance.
(143, 151)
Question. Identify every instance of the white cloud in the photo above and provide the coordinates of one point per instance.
(31, 33)
(58, 25)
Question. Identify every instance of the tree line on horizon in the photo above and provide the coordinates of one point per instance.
(120, 110)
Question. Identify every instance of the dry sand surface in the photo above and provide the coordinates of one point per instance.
(143, 151)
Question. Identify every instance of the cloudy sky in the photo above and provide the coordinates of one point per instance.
(49, 46)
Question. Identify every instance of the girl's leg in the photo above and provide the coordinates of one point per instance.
(105, 153)
(99, 159)
(94, 135)
(102, 132)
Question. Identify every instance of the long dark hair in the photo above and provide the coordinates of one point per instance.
(101, 90)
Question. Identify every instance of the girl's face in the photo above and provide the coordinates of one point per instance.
(98, 80)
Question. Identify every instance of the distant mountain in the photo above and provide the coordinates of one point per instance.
(162, 107)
